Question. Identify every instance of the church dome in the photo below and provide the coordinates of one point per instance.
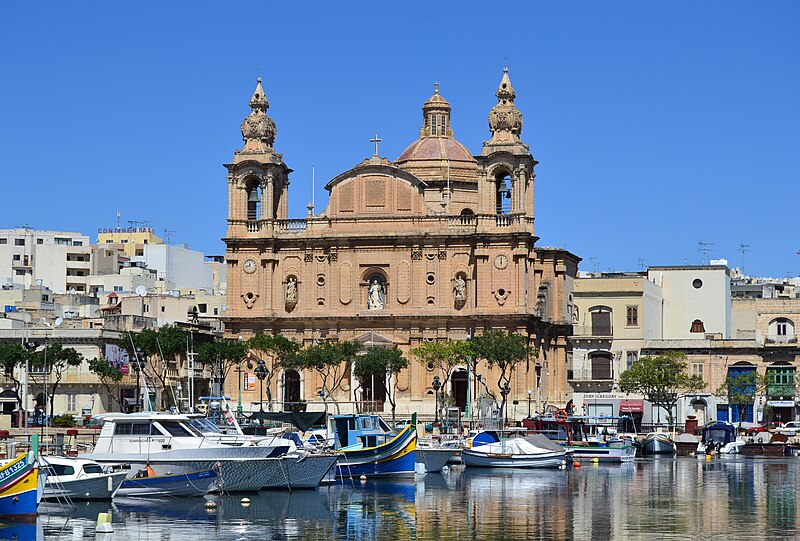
(436, 155)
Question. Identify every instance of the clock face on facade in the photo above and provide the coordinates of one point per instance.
(249, 266)
(501, 261)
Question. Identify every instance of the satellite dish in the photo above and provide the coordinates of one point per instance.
(141, 291)
(59, 320)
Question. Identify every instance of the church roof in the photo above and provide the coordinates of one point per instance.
(436, 148)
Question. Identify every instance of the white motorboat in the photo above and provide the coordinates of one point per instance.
(79, 479)
(168, 439)
(720, 437)
(513, 453)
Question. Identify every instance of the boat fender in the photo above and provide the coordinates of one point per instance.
(104, 523)
(211, 506)
(245, 502)
(576, 464)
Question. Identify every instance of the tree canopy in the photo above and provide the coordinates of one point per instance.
(109, 376)
(276, 350)
(54, 360)
(384, 361)
(11, 356)
(662, 380)
(331, 361)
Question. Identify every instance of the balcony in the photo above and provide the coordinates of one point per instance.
(588, 375)
(592, 331)
(778, 340)
(781, 389)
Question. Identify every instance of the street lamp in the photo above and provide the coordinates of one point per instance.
(530, 396)
(504, 391)
(261, 373)
(437, 384)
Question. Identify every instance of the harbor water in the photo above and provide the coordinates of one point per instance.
(683, 498)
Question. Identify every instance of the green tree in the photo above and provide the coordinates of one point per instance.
(12, 356)
(52, 362)
(741, 389)
(222, 356)
(331, 360)
(163, 345)
(662, 380)
(109, 376)
(503, 351)
(382, 361)
(275, 349)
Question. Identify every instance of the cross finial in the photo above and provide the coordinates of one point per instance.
(376, 141)
(436, 87)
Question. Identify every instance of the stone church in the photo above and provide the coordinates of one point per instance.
(435, 244)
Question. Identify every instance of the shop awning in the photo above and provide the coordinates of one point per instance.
(631, 406)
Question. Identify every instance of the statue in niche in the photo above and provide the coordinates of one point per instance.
(460, 288)
(375, 298)
(291, 289)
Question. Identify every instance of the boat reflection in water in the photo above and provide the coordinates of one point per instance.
(663, 498)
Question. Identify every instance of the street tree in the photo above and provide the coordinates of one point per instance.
(222, 356)
(331, 361)
(662, 380)
(275, 350)
(504, 351)
(13, 355)
(741, 390)
(164, 345)
(383, 362)
(52, 362)
(109, 376)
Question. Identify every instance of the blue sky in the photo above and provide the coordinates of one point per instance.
(657, 125)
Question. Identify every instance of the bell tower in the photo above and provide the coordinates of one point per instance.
(258, 180)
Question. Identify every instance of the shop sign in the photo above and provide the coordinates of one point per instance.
(780, 403)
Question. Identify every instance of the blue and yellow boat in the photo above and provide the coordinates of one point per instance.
(368, 446)
(19, 487)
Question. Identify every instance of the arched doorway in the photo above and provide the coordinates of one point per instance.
(291, 389)
(458, 382)
(373, 391)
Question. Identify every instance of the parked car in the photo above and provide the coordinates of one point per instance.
(789, 429)
(773, 426)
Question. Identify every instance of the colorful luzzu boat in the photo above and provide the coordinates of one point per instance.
(19, 487)
(369, 447)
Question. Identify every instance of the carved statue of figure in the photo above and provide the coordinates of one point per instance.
(375, 298)
(291, 289)
(460, 288)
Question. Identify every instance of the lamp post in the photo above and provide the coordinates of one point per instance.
(239, 402)
(261, 373)
(437, 384)
(530, 396)
(504, 391)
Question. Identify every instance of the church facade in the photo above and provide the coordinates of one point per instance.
(436, 244)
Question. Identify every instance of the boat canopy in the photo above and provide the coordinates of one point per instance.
(719, 432)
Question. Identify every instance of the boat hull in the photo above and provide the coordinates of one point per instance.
(434, 459)
(613, 454)
(393, 458)
(100, 488)
(162, 486)
(19, 487)
(475, 458)
(658, 445)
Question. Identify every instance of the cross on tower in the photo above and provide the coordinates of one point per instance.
(436, 87)
(376, 141)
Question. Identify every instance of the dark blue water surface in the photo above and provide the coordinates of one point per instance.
(683, 498)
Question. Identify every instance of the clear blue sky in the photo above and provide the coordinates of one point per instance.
(657, 125)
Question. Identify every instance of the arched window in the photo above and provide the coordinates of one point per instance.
(503, 204)
(781, 331)
(601, 365)
(253, 200)
(697, 326)
(601, 320)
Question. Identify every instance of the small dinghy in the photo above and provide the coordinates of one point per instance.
(79, 479)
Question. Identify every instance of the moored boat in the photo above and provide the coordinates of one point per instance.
(435, 458)
(19, 487)
(147, 483)
(720, 437)
(79, 479)
(369, 447)
(515, 453)
(658, 443)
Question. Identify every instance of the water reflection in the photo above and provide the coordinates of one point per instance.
(686, 498)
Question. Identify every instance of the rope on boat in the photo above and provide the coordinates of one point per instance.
(285, 476)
